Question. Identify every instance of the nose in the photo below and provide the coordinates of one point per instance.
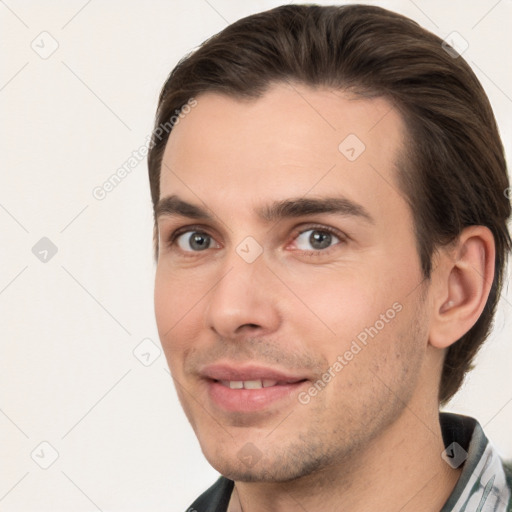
(242, 300)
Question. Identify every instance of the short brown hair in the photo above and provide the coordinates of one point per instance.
(453, 171)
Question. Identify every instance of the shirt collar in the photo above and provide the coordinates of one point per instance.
(482, 485)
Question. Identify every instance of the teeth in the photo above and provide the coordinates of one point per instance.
(248, 384)
(253, 384)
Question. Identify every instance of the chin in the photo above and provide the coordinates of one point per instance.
(280, 468)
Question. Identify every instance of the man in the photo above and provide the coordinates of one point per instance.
(330, 234)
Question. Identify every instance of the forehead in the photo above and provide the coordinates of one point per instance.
(292, 139)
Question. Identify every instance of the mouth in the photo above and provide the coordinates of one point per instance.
(250, 388)
(254, 384)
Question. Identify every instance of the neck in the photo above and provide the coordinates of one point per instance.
(401, 469)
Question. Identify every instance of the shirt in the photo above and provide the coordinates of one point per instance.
(484, 485)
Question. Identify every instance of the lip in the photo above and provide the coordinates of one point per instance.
(248, 372)
(250, 400)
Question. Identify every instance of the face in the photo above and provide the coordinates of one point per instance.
(288, 291)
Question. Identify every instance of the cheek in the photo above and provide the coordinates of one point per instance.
(351, 310)
(379, 364)
(175, 313)
(337, 304)
(165, 303)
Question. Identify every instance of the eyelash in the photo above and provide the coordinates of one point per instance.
(318, 252)
(324, 229)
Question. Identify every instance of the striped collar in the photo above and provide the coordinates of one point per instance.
(482, 485)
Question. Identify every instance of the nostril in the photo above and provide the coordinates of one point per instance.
(248, 327)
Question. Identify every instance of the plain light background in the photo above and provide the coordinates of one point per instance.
(69, 377)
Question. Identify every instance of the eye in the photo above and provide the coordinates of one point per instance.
(316, 239)
(193, 241)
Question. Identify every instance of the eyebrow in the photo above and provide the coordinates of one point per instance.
(173, 206)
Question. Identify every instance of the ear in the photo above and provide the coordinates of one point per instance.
(463, 280)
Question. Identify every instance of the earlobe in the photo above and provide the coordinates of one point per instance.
(463, 281)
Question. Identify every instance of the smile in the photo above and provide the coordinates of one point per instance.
(238, 387)
(248, 384)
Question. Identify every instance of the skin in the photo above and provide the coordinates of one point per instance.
(371, 438)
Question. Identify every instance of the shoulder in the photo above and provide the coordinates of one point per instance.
(214, 499)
